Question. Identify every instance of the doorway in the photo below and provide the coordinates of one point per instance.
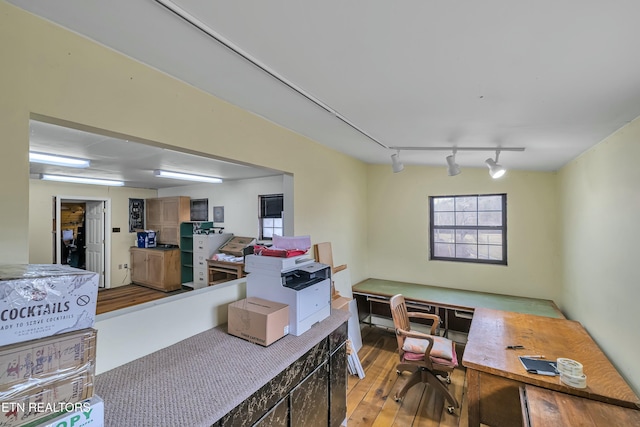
(82, 224)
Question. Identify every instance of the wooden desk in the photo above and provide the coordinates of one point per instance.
(456, 298)
(223, 271)
(547, 408)
(495, 374)
(454, 306)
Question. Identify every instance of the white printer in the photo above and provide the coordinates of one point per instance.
(300, 282)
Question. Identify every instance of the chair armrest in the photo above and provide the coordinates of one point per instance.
(339, 268)
(428, 316)
(415, 334)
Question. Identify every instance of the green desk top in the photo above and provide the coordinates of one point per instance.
(457, 298)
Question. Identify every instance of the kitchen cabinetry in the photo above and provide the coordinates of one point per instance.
(156, 268)
(164, 215)
(311, 412)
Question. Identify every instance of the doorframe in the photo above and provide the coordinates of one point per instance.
(107, 230)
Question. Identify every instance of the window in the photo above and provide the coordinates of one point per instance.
(469, 228)
(270, 217)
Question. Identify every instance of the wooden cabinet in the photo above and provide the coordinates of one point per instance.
(164, 215)
(156, 268)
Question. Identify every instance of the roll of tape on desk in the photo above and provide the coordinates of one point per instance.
(576, 381)
(569, 367)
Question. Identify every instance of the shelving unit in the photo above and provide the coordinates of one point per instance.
(187, 229)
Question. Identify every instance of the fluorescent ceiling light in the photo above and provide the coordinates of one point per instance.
(51, 159)
(186, 176)
(81, 180)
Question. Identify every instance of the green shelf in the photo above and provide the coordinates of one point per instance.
(186, 247)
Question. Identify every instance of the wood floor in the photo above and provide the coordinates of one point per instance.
(370, 400)
(127, 296)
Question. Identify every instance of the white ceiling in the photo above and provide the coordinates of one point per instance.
(118, 159)
(554, 77)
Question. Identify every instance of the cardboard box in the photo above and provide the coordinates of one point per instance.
(237, 245)
(146, 239)
(90, 413)
(32, 404)
(40, 300)
(258, 320)
(47, 359)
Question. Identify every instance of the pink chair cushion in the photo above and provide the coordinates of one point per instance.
(443, 351)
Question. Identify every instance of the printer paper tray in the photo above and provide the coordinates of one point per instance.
(298, 286)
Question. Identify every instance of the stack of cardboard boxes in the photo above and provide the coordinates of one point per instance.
(48, 346)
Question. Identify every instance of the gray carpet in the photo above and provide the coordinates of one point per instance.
(198, 380)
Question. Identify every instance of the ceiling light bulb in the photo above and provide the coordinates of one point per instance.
(453, 168)
(396, 164)
(51, 159)
(495, 170)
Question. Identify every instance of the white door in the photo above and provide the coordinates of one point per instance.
(94, 235)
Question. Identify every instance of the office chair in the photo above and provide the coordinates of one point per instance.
(426, 356)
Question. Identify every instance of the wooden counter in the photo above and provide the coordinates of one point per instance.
(217, 379)
(157, 268)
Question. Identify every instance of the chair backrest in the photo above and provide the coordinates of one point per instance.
(400, 317)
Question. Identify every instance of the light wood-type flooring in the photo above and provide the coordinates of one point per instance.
(370, 400)
(129, 295)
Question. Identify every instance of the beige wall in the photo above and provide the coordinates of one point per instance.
(54, 73)
(40, 220)
(398, 230)
(601, 240)
(51, 72)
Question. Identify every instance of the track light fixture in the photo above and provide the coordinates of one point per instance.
(495, 170)
(452, 169)
(396, 164)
